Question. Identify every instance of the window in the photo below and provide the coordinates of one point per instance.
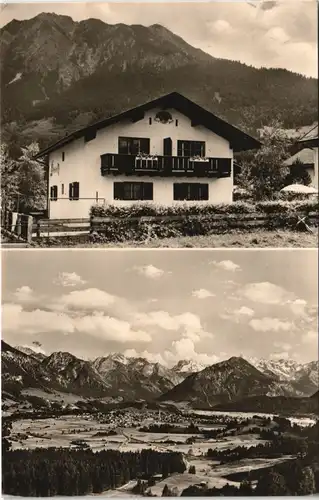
(63, 155)
(62, 189)
(190, 148)
(150, 121)
(54, 193)
(74, 190)
(176, 123)
(190, 191)
(133, 191)
(133, 146)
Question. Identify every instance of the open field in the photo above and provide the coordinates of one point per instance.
(114, 430)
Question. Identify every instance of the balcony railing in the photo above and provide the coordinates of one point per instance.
(119, 164)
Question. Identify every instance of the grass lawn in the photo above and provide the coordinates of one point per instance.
(229, 240)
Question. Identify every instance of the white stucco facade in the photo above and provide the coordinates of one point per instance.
(82, 164)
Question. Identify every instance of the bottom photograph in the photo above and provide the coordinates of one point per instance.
(159, 373)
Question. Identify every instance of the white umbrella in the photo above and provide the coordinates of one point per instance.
(299, 188)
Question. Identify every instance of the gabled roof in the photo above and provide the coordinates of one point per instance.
(306, 156)
(239, 140)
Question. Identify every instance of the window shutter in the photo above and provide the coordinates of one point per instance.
(167, 146)
(71, 191)
(118, 191)
(76, 190)
(179, 191)
(145, 146)
(147, 190)
(203, 192)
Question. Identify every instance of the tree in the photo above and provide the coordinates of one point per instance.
(306, 484)
(271, 484)
(192, 469)
(262, 172)
(9, 179)
(32, 186)
(298, 174)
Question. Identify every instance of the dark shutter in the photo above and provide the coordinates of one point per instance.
(178, 192)
(167, 146)
(203, 192)
(147, 190)
(224, 167)
(76, 190)
(118, 191)
(71, 191)
(54, 193)
(145, 146)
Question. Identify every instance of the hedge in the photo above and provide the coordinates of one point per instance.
(194, 219)
(151, 209)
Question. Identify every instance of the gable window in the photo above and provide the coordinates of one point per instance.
(53, 193)
(190, 191)
(190, 148)
(62, 188)
(133, 191)
(74, 190)
(63, 155)
(133, 145)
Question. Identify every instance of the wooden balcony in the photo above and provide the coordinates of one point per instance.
(164, 166)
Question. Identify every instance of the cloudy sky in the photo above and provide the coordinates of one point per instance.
(164, 305)
(260, 33)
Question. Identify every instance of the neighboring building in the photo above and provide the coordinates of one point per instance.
(167, 151)
(306, 152)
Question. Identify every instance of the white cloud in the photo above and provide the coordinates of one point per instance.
(266, 293)
(150, 271)
(227, 265)
(150, 356)
(298, 306)
(16, 320)
(108, 328)
(24, 293)
(185, 349)
(166, 321)
(202, 294)
(310, 337)
(88, 299)
(220, 26)
(280, 355)
(244, 311)
(283, 345)
(270, 324)
(69, 279)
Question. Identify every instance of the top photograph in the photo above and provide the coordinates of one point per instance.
(181, 125)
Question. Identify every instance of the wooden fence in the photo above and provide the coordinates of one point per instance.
(18, 226)
(199, 224)
(59, 228)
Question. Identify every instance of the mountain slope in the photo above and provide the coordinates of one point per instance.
(72, 73)
(278, 404)
(225, 381)
(135, 377)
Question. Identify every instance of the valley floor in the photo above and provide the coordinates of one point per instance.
(115, 431)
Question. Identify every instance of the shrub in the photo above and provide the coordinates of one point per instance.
(131, 223)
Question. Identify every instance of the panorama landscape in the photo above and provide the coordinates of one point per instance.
(160, 373)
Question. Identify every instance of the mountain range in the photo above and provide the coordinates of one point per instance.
(132, 379)
(59, 75)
